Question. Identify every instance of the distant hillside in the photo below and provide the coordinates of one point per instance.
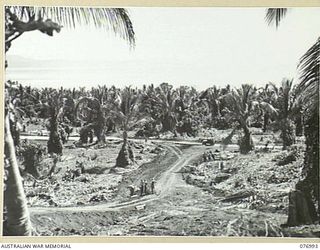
(15, 61)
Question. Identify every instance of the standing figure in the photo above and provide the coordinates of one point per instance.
(141, 187)
(145, 187)
(152, 186)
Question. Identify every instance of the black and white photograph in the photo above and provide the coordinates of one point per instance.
(161, 121)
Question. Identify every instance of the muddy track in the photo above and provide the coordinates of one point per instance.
(165, 181)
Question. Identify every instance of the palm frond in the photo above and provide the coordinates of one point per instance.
(114, 19)
(268, 108)
(275, 15)
(309, 68)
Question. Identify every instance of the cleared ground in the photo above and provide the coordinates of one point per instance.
(248, 196)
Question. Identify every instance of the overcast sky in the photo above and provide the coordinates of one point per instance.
(189, 46)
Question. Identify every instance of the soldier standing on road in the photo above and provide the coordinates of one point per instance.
(141, 187)
(152, 186)
(145, 187)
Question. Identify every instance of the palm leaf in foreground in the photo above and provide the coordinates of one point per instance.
(275, 15)
(114, 19)
(309, 68)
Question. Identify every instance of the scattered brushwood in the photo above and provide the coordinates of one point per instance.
(188, 169)
(286, 174)
(72, 174)
(196, 180)
(238, 196)
(303, 231)
(287, 158)
(80, 168)
(157, 150)
(56, 158)
(49, 199)
(98, 198)
(246, 226)
(148, 129)
(278, 178)
(221, 177)
(94, 157)
(32, 154)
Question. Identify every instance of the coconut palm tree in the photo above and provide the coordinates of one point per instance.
(308, 188)
(187, 98)
(212, 97)
(91, 111)
(285, 106)
(305, 200)
(267, 95)
(126, 112)
(163, 100)
(21, 19)
(55, 105)
(240, 104)
(297, 110)
(17, 216)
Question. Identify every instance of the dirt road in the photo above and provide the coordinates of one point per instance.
(176, 209)
(165, 181)
(124, 215)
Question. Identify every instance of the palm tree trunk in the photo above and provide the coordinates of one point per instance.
(311, 161)
(18, 220)
(246, 143)
(54, 142)
(125, 136)
(299, 125)
(99, 127)
(125, 156)
(215, 110)
(265, 121)
(308, 186)
(287, 133)
(168, 123)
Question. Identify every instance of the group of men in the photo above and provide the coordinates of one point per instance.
(144, 188)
